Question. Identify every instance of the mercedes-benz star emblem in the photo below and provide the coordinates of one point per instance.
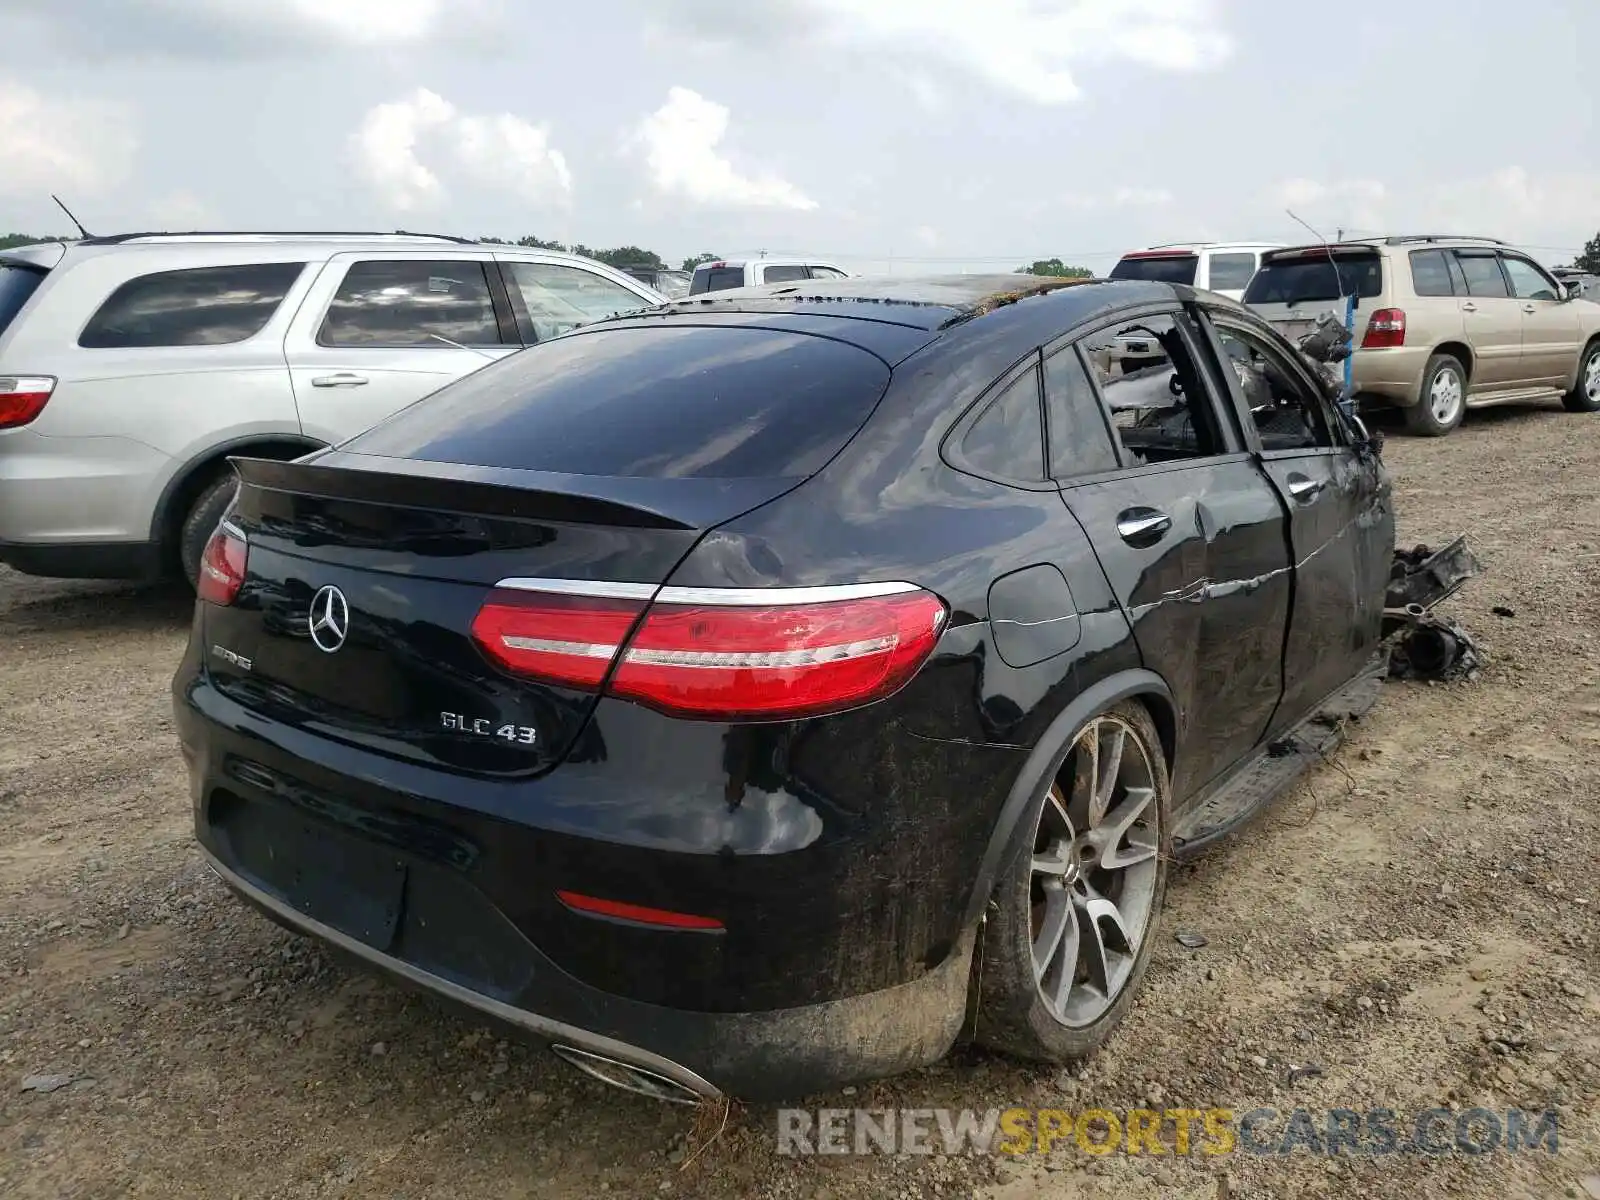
(330, 619)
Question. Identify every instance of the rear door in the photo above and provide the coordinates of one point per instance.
(1491, 321)
(1551, 335)
(380, 331)
(1337, 505)
(1190, 533)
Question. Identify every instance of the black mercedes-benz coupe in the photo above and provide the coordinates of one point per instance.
(767, 690)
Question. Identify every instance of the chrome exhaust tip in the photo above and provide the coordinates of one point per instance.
(628, 1077)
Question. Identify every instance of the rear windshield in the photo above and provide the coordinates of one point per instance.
(718, 279)
(17, 286)
(663, 402)
(1168, 268)
(1295, 280)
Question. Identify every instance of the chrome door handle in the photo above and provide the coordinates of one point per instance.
(1143, 526)
(342, 379)
(1305, 490)
(1469, 306)
(1529, 308)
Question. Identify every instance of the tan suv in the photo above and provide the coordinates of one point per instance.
(1442, 324)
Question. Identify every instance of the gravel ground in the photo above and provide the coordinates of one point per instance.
(1418, 919)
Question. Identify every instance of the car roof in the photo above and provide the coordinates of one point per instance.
(315, 242)
(770, 260)
(1398, 239)
(1196, 247)
(923, 302)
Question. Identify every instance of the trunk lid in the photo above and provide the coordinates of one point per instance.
(1294, 287)
(413, 556)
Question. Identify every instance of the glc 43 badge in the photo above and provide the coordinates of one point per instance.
(523, 735)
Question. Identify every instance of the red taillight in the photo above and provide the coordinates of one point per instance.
(23, 397)
(222, 566)
(555, 637)
(1387, 328)
(636, 914)
(713, 654)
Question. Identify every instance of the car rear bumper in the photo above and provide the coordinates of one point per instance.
(450, 941)
(84, 560)
(1393, 375)
(843, 954)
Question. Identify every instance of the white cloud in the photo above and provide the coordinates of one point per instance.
(679, 141)
(397, 141)
(70, 147)
(1023, 46)
(1511, 203)
(250, 28)
(181, 210)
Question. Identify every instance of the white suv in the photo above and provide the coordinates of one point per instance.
(132, 366)
(737, 273)
(1222, 267)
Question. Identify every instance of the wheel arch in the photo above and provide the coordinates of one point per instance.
(195, 474)
(1044, 763)
(1457, 350)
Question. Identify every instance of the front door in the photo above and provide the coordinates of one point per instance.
(1190, 534)
(1335, 500)
(1550, 332)
(376, 334)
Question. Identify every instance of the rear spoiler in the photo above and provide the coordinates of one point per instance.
(637, 503)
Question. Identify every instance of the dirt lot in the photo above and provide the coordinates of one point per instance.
(1432, 890)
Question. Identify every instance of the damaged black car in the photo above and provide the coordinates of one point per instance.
(769, 690)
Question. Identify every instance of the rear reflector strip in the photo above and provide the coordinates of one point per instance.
(637, 914)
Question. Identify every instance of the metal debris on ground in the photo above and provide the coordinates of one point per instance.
(1191, 940)
(1428, 646)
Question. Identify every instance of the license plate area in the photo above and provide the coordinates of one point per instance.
(357, 888)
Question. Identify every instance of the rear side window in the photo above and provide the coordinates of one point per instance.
(1482, 273)
(1231, 272)
(1007, 440)
(1079, 438)
(1162, 268)
(825, 272)
(202, 306)
(17, 286)
(1312, 277)
(667, 401)
(1430, 273)
(412, 302)
(560, 298)
(718, 279)
(786, 274)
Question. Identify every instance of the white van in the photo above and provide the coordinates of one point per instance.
(1222, 267)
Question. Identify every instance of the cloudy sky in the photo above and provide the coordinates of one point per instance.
(889, 134)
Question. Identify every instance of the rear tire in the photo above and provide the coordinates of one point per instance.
(1585, 397)
(201, 522)
(1067, 938)
(1442, 399)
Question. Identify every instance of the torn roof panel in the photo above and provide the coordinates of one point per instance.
(924, 302)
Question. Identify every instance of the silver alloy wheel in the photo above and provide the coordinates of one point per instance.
(1094, 873)
(1445, 396)
(1591, 378)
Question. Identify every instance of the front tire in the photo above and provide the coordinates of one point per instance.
(1072, 923)
(201, 522)
(1585, 397)
(1442, 400)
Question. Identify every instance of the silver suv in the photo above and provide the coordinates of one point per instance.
(132, 366)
